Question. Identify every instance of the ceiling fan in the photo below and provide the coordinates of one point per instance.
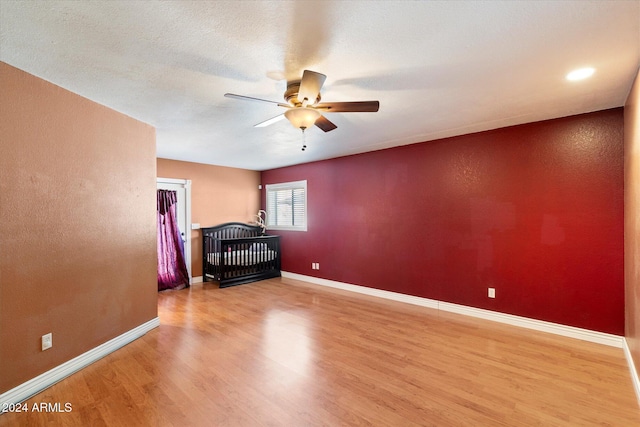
(303, 105)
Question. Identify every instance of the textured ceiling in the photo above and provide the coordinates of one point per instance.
(438, 68)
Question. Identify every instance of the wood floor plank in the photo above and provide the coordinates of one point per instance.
(287, 353)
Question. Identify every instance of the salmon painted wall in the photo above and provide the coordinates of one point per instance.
(218, 194)
(77, 225)
(632, 220)
(534, 211)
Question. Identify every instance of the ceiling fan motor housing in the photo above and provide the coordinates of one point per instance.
(291, 94)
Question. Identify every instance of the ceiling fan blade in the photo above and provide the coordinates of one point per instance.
(249, 98)
(324, 124)
(310, 86)
(270, 121)
(349, 107)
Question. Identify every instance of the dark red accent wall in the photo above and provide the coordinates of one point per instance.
(535, 211)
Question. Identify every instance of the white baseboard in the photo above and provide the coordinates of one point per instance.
(49, 378)
(510, 319)
(632, 368)
(197, 279)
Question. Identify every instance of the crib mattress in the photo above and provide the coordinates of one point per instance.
(245, 257)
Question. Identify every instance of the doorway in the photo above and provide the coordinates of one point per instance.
(182, 187)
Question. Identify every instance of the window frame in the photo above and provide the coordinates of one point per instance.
(293, 185)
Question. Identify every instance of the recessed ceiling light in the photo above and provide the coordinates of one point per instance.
(581, 73)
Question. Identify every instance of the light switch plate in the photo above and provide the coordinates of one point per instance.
(47, 341)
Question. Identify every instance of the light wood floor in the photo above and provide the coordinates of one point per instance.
(285, 353)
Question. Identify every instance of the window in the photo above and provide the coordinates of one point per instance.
(287, 206)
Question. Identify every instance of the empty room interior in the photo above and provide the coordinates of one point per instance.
(391, 213)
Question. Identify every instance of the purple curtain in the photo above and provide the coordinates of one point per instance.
(172, 269)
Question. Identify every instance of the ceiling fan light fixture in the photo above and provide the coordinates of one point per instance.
(302, 117)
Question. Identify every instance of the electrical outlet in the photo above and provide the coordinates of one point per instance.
(47, 341)
(317, 266)
(492, 292)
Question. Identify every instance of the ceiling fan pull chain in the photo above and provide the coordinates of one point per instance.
(304, 139)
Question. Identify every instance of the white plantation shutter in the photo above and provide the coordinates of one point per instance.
(287, 206)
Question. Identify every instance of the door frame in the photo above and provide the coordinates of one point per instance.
(186, 183)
